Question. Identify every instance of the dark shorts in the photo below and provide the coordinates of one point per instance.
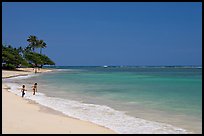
(23, 93)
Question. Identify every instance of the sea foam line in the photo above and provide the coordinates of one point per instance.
(19, 77)
(100, 114)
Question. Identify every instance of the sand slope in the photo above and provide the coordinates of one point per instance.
(25, 117)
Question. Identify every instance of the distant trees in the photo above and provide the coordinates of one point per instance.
(27, 57)
(32, 42)
(38, 60)
(41, 44)
(11, 57)
(35, 43)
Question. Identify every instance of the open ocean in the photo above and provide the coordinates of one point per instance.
(124, 99)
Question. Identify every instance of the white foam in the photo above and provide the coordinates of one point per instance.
(20, 77)
(69, 70)
(100, 114)
(63, 70)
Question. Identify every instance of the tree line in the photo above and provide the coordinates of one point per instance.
(13, 58)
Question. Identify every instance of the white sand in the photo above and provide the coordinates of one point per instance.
(24, 117)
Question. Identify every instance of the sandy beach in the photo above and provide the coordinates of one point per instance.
(21, 116)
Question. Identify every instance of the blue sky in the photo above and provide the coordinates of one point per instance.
(108, 33)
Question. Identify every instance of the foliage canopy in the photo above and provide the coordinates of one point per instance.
(25, 57)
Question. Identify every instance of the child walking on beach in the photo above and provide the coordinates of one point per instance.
(34, 88)
(23, 90)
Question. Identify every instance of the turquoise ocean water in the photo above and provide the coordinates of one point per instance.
(125, 99)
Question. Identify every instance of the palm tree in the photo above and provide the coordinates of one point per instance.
(41, 44)
(32, 42)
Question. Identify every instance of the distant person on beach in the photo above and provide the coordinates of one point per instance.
(35, 70)
(34, 88)
(23, 90)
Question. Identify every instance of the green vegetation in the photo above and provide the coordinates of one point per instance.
(25, 57)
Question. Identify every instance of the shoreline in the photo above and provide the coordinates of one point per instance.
(93, 114)
(31, 117)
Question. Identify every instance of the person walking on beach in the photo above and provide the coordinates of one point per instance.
(34, 88)
(35, 70)
(23, 90)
